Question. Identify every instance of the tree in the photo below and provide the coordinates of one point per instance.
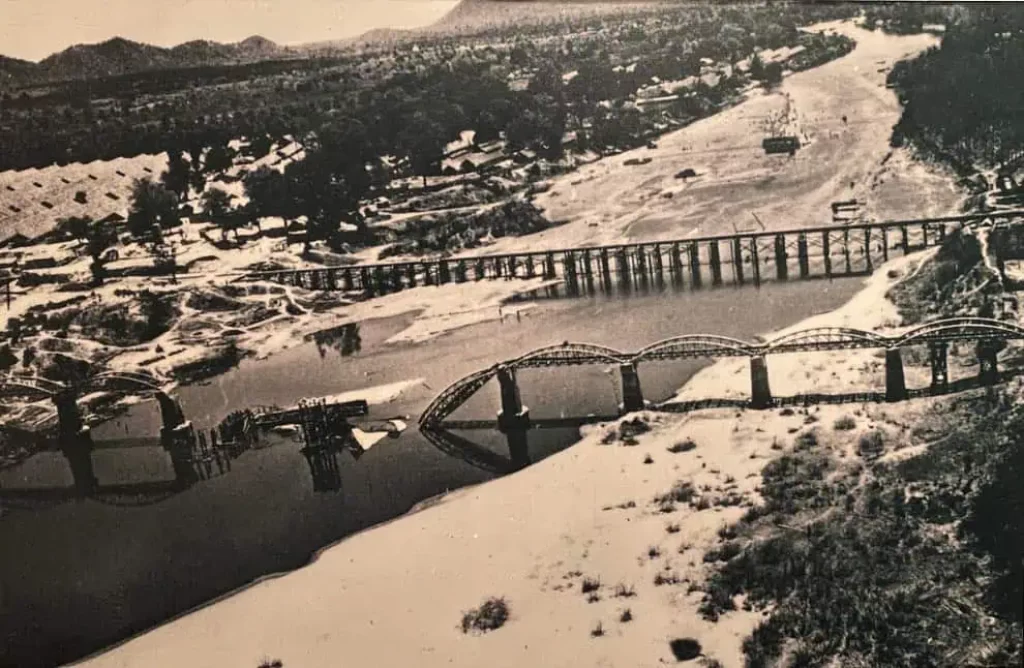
(219, 158)
(773, 74)
(756, 67)
(267, 190)
(176, 177)
(153, 207)
(422, 141)
(217, 206)
(260, 145)
(77, 227)
(100, 237)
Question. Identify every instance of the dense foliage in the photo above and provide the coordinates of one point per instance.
(962, 102)
(886, 578)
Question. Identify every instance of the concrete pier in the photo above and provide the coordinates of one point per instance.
(632, 394)
(760, 389)
(826, 252)
(75, 443)
(781, 260)
(737, 261)
(513, 418)
(895, 383)
(755, 262)
(937, 354)
(988, 362)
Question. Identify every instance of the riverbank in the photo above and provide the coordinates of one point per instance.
(590, 513)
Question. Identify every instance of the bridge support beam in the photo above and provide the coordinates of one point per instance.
(755, 262)
(715, 254)
(513, 418)
(826, 252)
(632, 394)
(937, 354)
(695, 264)
(781, 267)
(895, 383)
(760, 389)
(802, 256)
(988, 362)
(737, 260)
(75, 443)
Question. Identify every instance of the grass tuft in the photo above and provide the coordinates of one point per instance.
(491, 615)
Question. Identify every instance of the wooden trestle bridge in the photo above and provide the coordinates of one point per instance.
(195, 454)
(514, 420)
(742, 258)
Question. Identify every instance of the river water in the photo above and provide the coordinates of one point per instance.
(78, 576)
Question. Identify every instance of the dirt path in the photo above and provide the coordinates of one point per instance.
(607, 201)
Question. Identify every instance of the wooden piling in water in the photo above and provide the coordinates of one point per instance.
(737, 260)
(826, 252)
(781, 267)
(755, 262)
(695, 276)
(716, 263)
(802, 256)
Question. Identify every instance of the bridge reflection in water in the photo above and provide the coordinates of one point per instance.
(195, 455)
(514, 421)
(744, 258)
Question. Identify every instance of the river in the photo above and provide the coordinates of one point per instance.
(76, 577)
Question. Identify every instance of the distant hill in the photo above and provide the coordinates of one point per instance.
(121, 56)
(471, 15)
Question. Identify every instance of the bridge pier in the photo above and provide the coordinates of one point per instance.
(737, 261)
(513, 418)
(480, 270)
(395, 278)
(760, 389)
(755, 262)
(802, 256)
(549, 266)
(444, 273)
(846, 250)
(675, 263)
(364, 281)
(531, 270)
(885, 244)
(937, 354)
(606, 273)
(75, 443)
(347, 280)
(905, 239)
(410, 274)
(826, 252)
(622, 264)
(641, 265)
(632, 393)
(924, 234)
(867, 248)
(781, 268)
(658, 264)
(895, 383)
(569, 268)
(695, 264)
(988, 362)
(716, 263)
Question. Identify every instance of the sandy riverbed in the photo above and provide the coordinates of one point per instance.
(394, 595)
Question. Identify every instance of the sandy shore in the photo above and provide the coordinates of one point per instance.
(394, 595)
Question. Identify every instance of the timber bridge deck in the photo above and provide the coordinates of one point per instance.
(514, 420)
(741, 258)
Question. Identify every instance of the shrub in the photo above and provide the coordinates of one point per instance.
(626, 616)
(491, 615)
(622, 591)
(871, 444)
(590, 584)
(597, 631)
(682, 446)
(845, 423)
(685, 649)
(682, 492)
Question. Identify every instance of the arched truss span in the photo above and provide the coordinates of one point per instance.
(126, 382)
(953, 329)
(695, 346)
(826, 338)
(453, 396)
(38, 388)
(569, 354)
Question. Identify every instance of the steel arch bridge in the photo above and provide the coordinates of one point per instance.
(433, 420)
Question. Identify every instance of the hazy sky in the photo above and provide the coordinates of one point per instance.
(33, 29)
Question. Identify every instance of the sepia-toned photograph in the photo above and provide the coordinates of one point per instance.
(511, 333)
